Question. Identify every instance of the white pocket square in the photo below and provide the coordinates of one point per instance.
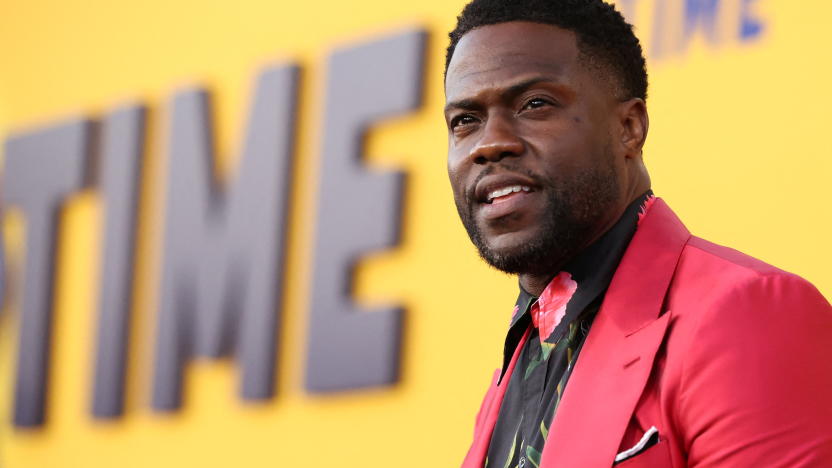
(649, 439)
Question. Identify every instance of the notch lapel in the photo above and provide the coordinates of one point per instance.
(617, 357)
(490, 410)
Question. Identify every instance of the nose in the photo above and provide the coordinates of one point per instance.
(499, 140)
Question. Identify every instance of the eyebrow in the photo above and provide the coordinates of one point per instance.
(512, 90)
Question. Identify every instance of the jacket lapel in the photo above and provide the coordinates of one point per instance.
(617, 357)
(489, 411)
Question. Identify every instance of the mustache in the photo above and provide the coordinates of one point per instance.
(502, 168)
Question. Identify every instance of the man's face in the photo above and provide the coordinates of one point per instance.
(531, 158)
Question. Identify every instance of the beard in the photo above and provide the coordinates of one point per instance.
(574, 209)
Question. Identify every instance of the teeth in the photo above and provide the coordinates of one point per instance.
(507, 190)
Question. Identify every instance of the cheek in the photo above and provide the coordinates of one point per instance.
(565, 132)
(456, 180)
(457, 172)
(574, 145)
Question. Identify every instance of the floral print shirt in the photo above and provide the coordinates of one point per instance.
(560, 320)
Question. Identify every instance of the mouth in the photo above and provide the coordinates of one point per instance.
(495, 188)
(499, 195)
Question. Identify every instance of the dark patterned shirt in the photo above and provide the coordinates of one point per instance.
(560, 320)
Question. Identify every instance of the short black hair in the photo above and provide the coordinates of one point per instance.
(603, 35)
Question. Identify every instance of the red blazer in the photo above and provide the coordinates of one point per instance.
(728, 357)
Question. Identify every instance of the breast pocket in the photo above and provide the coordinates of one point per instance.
(657, 456)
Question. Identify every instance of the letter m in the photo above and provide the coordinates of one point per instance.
(223, 249)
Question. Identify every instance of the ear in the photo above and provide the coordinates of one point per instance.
(633, 125)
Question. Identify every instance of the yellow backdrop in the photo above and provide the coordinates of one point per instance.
(739, 146)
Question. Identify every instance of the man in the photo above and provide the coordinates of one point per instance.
(632, 342)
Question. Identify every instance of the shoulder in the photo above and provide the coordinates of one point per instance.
(713, 275)
(702, 253)
(754, 316)
(747, 358)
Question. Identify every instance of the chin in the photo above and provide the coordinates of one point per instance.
(512, 252)
(506, 244)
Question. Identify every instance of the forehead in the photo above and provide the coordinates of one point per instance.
(496, 55)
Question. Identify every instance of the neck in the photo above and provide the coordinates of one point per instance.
(535, 284)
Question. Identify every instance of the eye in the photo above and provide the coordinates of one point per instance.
(461, 120)
(536, 103)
